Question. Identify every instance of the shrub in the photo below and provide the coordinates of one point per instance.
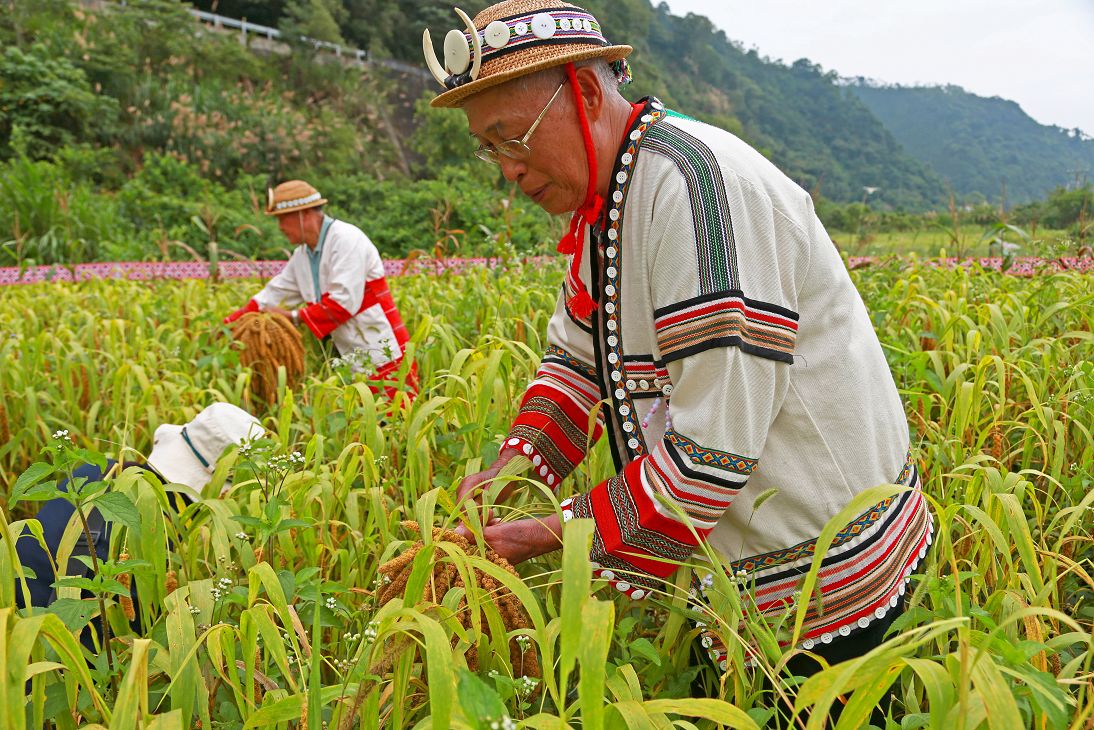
(48, 218)
(49, 101)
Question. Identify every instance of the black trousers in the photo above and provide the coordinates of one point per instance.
(838, 651)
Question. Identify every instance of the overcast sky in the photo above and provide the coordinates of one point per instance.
(1039, 53)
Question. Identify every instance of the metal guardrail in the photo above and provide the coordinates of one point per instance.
(273, 34)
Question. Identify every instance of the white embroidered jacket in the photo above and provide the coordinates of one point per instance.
(352, 303)
(735, 356)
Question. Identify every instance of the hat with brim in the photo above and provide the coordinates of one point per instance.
(291, 196)
(512, 39)
(186, 455)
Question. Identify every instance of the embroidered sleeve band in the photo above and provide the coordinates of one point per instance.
(554, 415)
(639, 532)
(726, 319)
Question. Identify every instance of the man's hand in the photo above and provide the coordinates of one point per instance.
(473, 486)
(283, 312)
(524, 539)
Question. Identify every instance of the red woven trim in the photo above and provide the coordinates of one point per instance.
(554, 420)
(377, 292)
(622, 535)
(541, 465)
(324, 316)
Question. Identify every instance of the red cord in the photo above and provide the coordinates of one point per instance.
(581, 304)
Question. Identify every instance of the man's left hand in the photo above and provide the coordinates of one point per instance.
(521, 540)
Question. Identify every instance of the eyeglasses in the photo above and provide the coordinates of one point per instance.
(515, 149)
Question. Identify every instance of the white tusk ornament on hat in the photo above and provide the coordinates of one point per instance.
(475, 41)
(431, 58)
(457, 56)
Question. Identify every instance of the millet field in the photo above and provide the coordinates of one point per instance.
(259, 606)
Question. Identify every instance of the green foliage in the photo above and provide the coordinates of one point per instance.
(47, 216)
(1064, 208)
(455, 212)
(441, 141)
(46, 102)
(174, 213)
(315, 19)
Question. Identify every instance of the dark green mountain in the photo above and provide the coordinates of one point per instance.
(979, 144)
(815, 130)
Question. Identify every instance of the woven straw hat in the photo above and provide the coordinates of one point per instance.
(514, 38)
(292, 196)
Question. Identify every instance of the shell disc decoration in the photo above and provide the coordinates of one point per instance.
(457, 56)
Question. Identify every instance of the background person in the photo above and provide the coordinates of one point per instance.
(184, 455)
(334, 285)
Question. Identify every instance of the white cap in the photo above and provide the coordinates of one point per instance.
(186, 455)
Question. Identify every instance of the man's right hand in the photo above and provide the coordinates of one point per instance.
(474, 485)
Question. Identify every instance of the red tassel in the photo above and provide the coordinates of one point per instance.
(568, 244)
(581, 304)
(592, 211)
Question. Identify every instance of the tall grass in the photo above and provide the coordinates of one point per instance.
(274, 621)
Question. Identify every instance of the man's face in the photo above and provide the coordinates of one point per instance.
(300, 226)
(292, 225)
(555, 175)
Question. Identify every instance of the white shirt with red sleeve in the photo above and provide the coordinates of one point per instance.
(352, 302)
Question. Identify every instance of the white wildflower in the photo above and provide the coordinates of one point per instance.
(525, 685)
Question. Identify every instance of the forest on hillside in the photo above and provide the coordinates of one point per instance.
(132, 132)
(981, 145)
(819, 134)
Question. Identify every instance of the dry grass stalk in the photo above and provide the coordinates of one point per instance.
(269, 341)
(126, 601)
(445, 577)
(82, 385)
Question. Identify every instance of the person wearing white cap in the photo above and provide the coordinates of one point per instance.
(186, 455)
(182, 455)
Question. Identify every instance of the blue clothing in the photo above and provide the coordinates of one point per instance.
(54, 516)
(316, 255)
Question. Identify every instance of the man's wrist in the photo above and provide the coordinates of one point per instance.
(294, 315)
(549, 534)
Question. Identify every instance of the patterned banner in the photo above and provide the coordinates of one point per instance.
(168, 270)
(175, 270)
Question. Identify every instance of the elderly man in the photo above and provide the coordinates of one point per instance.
(337, 275)
(708, 310)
